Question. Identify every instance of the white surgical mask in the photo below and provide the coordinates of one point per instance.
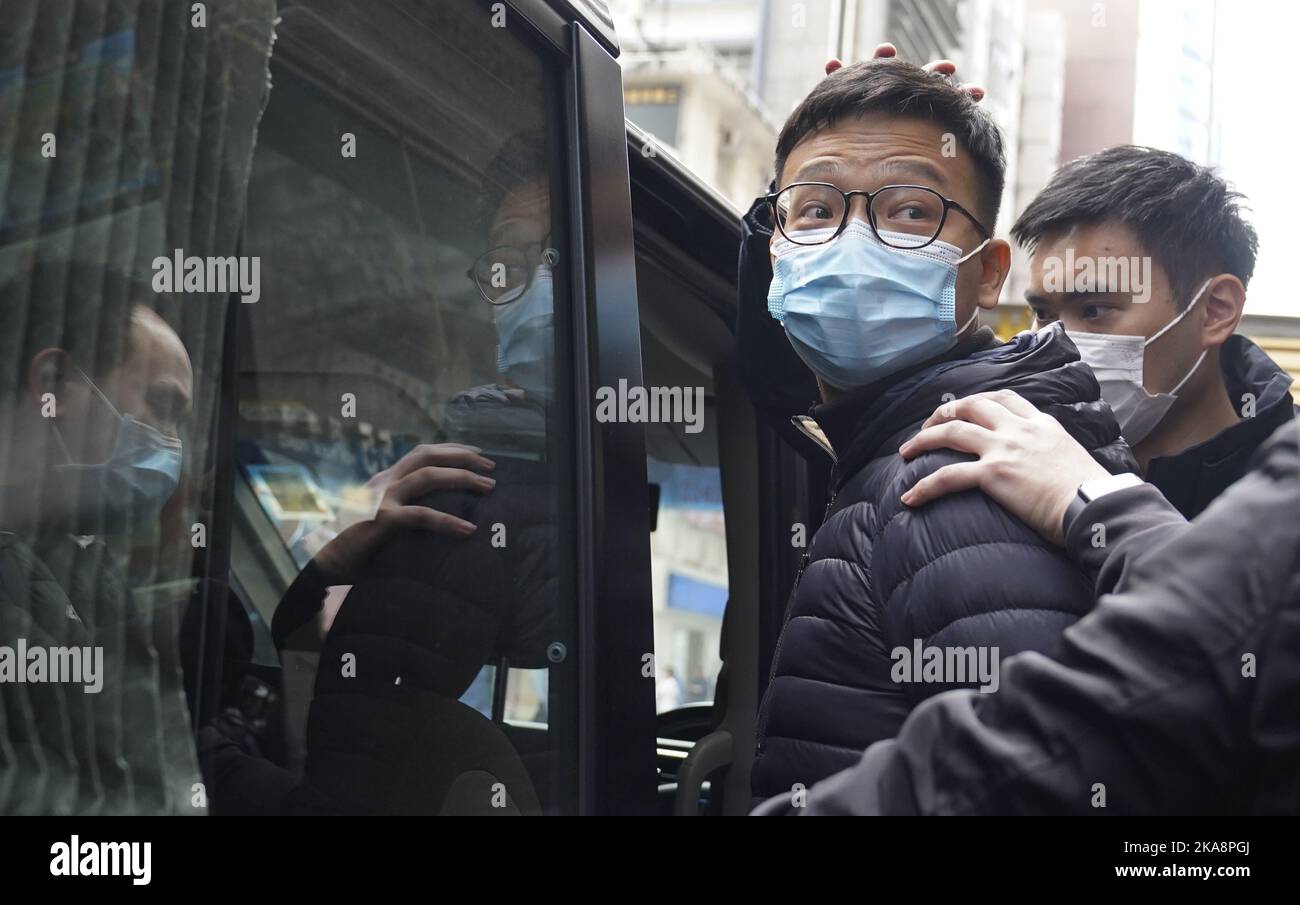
(1117, 361)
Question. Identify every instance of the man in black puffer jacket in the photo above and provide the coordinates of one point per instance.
(877, 291)
(1175, 695)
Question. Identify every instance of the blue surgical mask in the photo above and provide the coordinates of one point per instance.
(856, 310)
(525, 332)
(141, 473)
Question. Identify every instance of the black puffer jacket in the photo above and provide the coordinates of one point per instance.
(959, 572)
(1176, 695)
(1261, 392)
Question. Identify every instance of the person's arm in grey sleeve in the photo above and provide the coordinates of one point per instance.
(1111, 530)
(1175, 695)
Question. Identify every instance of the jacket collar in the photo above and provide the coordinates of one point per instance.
(1042, 366)
(1199, 473)
(837, 421)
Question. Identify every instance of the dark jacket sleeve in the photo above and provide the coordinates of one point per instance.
(300, 604)
(1181, 682)
(1113, 531)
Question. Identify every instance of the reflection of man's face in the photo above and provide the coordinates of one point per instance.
(522, 224)
(523, 218)
(522, 318)
(154, 383)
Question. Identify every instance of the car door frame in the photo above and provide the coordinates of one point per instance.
(615, 632)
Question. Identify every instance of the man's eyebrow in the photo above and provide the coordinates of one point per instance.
(912, 168)
(917, 169)
(1057, 299)
(820, 171)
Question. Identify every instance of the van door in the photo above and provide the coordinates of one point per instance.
(449, 225)
(373, 550)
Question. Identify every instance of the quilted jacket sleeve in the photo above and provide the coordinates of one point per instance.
(962, 572)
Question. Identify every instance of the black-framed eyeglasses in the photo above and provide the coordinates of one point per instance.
(504, 273)
(900, 216)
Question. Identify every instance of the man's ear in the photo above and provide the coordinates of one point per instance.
(48, 373)
(995, 264)
(1225, 299)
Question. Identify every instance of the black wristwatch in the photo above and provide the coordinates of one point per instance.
(1091, 490)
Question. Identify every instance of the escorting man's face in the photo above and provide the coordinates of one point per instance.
(1099, 278)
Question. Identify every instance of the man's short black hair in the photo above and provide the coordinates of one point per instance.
(894, 87)
(520, 160)
(83, 308)
(1188, 219)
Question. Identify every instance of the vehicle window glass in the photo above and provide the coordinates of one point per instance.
(120, 157)
(401, 430)
(688, 559)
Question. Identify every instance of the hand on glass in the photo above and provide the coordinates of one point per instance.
(1027, 462)
(944, 67)
(437, 466)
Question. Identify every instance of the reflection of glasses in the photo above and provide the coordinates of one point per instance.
(504, 273)
(912, 216)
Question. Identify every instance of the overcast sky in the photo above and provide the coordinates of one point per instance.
(1260, 104)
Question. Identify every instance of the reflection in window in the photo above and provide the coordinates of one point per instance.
(109, 388)
(403, 356)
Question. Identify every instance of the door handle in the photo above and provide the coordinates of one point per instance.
(711, 752)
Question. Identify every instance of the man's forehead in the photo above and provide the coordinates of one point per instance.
(1099, 237)
(841, 171)
(530, 202)
(1080, 243)
(880, 147)
(156, 347)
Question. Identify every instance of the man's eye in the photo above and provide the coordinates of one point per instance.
(1043, 316)
(816, 212)
(1093, 312)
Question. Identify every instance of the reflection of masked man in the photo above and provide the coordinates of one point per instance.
(508, 421)
(514, 277)
(526, 334)
(130, 487)
(89, 464)
(428, 609)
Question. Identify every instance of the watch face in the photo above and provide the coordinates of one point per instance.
(1090, 490)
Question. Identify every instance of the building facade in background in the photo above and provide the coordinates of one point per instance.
(713, 82)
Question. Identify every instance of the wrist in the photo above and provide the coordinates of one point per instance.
(1094, 489)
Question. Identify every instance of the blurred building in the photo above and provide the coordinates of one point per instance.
(688, 81)
(1135, 72)
(714, 81)
(1139, 71)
